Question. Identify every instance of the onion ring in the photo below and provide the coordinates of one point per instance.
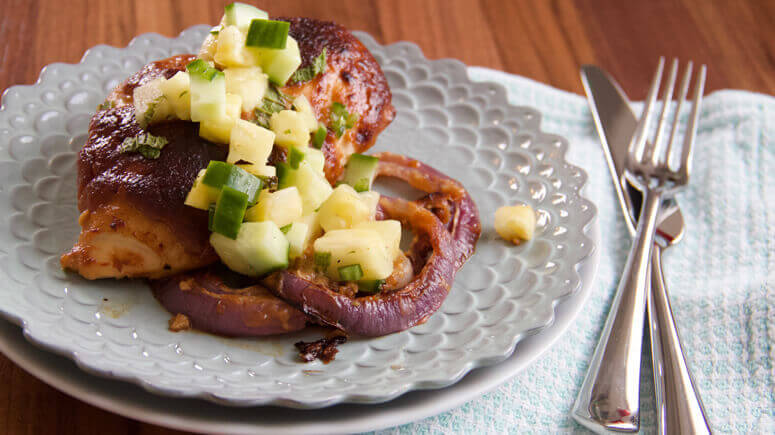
(451, 243)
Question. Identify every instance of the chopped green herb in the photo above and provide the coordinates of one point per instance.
(341, 119)
(308, 73)
(144, 143)
(319, 136)
(151, 110)
(286, 228)
(182, 93)
(106, 105)
(274, 101)
(216, 30)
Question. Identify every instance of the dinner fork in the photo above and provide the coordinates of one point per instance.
(610, 393)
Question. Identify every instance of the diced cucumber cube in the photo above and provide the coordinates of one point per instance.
(240, 15)
(281, 207)
(356, 246)
(352, 272)
(220, 174)
(250, 143)
(264, 33)
(218, 129)
(343, 209)
(249, 83)
(229, 212)
(371, 286)
(208, 91)
(280, 64)
(290, 129)
(260, 248)
(360, 171)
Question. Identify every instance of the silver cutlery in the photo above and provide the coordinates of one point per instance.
(679, 409)
(609, 399)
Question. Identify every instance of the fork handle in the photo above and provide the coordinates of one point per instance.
(609, 398)
(679, 408)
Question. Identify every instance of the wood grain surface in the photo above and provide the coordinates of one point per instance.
(544, 40)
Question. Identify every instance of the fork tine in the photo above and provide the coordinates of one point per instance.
(638, 143)
(684, 91)
(691, 128)
(667, 97)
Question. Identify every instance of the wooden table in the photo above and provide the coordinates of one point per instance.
(544, 40)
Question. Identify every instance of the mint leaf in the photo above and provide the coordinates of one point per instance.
(144, 143)
(306, 74)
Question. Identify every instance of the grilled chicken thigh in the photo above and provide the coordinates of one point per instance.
(133, 218)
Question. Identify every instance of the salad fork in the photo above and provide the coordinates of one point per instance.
(610, 393)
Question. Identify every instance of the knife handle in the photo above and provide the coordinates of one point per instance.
(679, 408)
(609, 400)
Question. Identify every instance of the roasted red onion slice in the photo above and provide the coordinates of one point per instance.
(450, 243)
(230, 309)
(382, 313)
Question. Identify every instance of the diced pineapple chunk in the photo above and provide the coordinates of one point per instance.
(343, 209)
(218, 129)
(356, 246)
(208, 48)
(371, 199)
(313, 187)
(281, 207)
(301, 104)
(250, 143)
(260, 170)
(231, 50)
(249, 83)
(298, 235)
(389, 230)
(150, 103)
(515, 223)
(177, 89)
(201, 195)
(290, 128)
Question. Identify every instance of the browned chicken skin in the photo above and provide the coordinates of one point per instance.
(134, 222)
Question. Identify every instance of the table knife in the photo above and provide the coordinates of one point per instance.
(679, 409)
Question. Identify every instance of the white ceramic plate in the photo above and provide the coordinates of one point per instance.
(200, 416)
(116, 328)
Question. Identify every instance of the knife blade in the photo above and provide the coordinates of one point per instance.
(615, 125)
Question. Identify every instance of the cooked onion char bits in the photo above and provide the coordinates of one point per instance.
(235, 181)
(324, 349)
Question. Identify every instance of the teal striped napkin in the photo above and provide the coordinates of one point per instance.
(721, 276)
